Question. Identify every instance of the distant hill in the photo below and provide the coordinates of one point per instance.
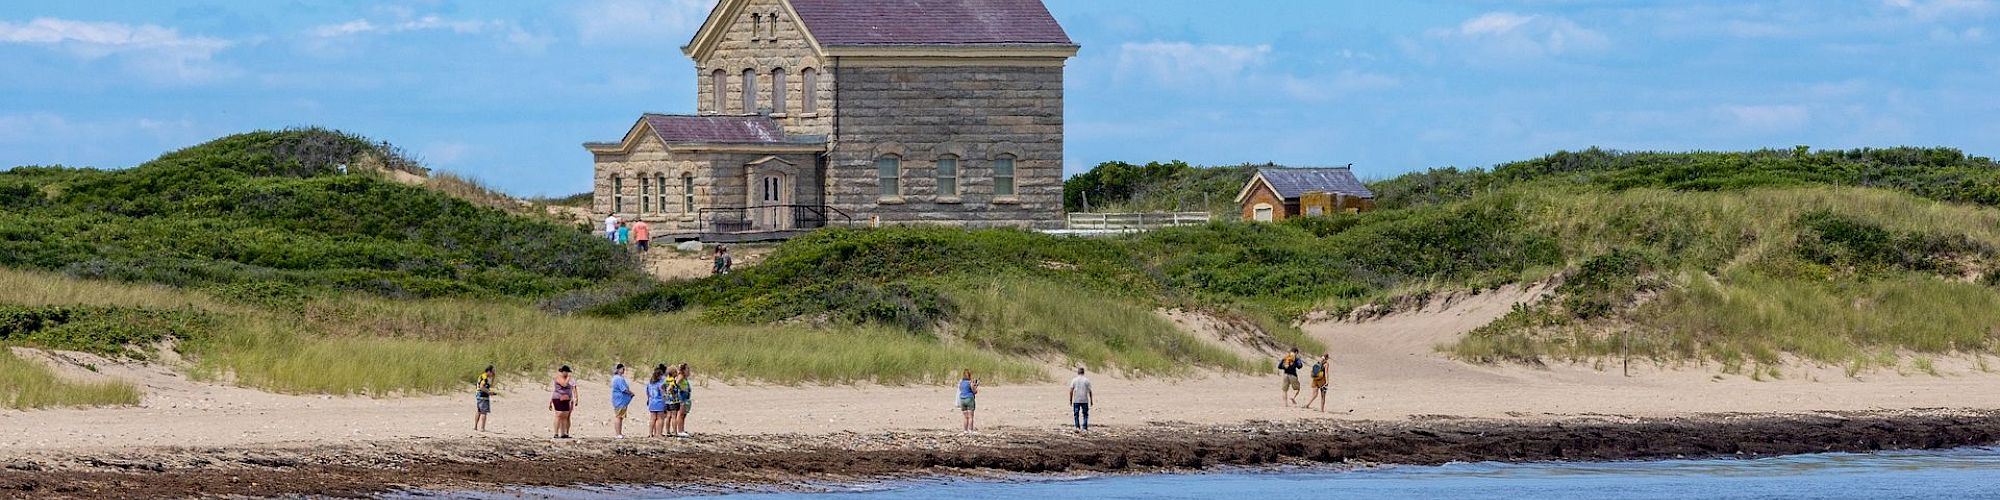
(287, 212)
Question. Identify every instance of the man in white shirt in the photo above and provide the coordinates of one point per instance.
(611, 227)
(1080, 399)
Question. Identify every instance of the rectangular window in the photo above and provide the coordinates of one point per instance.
(1003, 177)
(661, 181)
(947, 177)
(687, 194)
(889, 170)
(749, 91)
(719, 91)
(617, 194)
(809, 91)
(778, 91)
(645, 194)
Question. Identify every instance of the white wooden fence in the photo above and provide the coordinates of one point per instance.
(1136, 221)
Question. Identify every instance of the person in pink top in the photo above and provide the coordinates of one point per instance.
(641, 234)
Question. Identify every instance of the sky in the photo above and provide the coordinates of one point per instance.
(507, 90)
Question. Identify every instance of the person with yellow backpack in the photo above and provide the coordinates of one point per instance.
(1290, 366)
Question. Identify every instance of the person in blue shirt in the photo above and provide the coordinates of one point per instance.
(968, 390)
(621, 397)
(656, 401)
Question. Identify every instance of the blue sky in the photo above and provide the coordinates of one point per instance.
(505, 91)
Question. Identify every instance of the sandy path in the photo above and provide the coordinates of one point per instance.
(1383, 370)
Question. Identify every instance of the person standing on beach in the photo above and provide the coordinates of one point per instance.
(1319, 370)
(484, 402)
(656, 401)
(1080, 399)
(686, 393)
(563, 401)
(673, 395)
(1290, 365)
(968, 389)
(621, 398)
(642, 235)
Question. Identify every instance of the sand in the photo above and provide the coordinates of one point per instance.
(1383, 370)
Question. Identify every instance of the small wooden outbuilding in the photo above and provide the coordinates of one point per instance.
(1278, 193)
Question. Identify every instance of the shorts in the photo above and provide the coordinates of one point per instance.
(642, 245)
(618, 411)
(485, 406)
(673, 407)
(1291, 382)
(967, 404)
(561, 404)
(1320, 388)
(686, 405)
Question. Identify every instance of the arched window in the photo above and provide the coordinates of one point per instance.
(756, 26)
(774, 26)
(778, 91)
(1262, 212)
(1003, 175)
(749, 91)
(809, 86)
(661, 181)
(687, 193)
(645, 194)
(947, 176)
(889, 170)
(617, 194)
(719, 89)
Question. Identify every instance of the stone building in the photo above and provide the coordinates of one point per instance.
(1278, 193)
(814, 112)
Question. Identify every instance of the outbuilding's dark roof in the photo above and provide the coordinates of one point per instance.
(682, 129)
(1290, 183)
(930, 22)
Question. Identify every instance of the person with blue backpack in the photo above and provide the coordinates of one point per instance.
(1319, 374)
(1290, 366)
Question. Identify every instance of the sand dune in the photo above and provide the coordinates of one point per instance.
(1384, 369)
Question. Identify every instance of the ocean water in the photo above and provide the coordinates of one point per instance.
(1930, 475)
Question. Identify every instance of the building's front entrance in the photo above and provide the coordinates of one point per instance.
(770, 207)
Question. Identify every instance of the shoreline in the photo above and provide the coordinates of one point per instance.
(776, 460)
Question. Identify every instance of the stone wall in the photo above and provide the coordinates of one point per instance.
(721, 180)
(976, 114)
(780, 46)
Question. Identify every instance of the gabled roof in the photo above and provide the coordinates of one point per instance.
(1291, 183)
(690, 132)
(930, 22)
(678, 129)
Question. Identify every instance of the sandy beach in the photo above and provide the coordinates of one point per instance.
(1385, 370)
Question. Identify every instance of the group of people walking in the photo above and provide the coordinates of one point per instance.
(636, 233)
(670, 395)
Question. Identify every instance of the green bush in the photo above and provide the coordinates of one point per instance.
(98, 329)
(277, 207)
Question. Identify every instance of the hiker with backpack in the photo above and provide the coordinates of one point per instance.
(1290, 366)
(1319, 374)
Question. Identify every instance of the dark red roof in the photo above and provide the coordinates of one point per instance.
(681, 129)
(930, 22)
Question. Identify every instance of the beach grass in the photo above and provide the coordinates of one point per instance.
(361, 345)
(1046, 320)
(28, 385)
(1755, 279)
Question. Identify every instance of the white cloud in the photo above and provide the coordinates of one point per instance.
(640, 22)
(1766, 118)
(1188, 64)
(1506, 35)
(157, 53)
(506, 31)
(1943, 9)
(1344, 83)
(446, 153)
